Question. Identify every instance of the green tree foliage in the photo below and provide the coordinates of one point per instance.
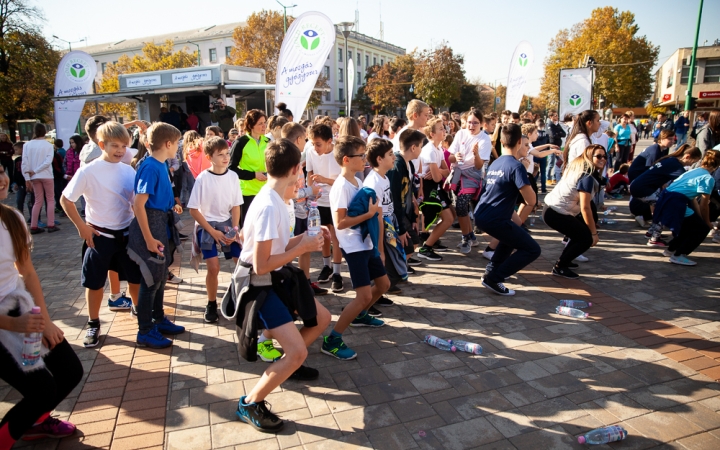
(611, 37)
(388, 86)
(470, 98)
(439, 76)
(257, 44)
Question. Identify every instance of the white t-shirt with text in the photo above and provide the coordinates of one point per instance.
(341, 195)
(381, 186)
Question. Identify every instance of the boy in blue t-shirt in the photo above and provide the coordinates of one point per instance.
(505, 179)
(153, 236)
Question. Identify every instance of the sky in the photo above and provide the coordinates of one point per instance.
(484, 32)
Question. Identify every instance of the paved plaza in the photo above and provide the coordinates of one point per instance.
(647, 358)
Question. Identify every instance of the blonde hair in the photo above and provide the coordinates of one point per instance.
(582, 165)
(415, 107)
(112, 131)
(191, 141)
(348, 127)
(428, 130)
(528, 128)
(159, 133)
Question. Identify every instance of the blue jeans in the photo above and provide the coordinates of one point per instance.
(550, 168)
(150, 304)
(681, 139)
(543, 175)
(504, 262)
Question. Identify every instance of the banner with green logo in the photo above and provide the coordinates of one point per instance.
(520, 65)
(303, 54)
(575, 90)
(75, 76)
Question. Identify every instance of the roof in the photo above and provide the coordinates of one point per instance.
(639, 112)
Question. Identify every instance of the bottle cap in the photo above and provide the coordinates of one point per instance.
(313, 204)
(35, 310)
(581, 439)
(589, 303)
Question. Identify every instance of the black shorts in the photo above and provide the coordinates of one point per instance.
(325, 215)
(364, 267)
(300, 226)
(414, 237)
(442, 194)
(108, 254)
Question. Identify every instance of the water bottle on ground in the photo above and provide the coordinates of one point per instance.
(607, 221)
(468, 347)
(230, 233)
(571, 312)
(603, 435)
(611, 208)
(32, 343)
(532, 221)
(314, 220)
(442, 344)
(575, 304)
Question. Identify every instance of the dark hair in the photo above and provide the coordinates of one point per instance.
(39, 131)
(624, 168)
(214, 144)
(507, 112)
(397, 123)
(346, 146)
(20, 144)
(410, 137)
(714, 123)
(321, 131)
(477, 114)
(568, 117)
(292, 131)
(93, 123)
(378, 148)
(275, 122)
(515, 116)
(217, 130)
(379, 125)
(58, 143)
(306, 123)
(281, 157)
(18, 231)
(252, 118)
(510, 135)
(666, 134)
(284, 112)
(78, 142)
(580, 127)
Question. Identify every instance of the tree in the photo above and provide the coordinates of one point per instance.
(388, 86)
(27, 65)
(469, 98)
(257, 44)
(439, 76)
(624, 59)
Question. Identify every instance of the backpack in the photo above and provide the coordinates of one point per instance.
(694, 132)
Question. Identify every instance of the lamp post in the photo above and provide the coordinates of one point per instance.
(198, 58)
(285, 14)
(689, 100)
(346, 26)
(69, 43)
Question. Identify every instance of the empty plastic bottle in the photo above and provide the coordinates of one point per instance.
(32, 343)
(230, 233)
(575, 303)
(607, 221)
(612, 208)
(468, 347)
(532, 221)
(442, 344)
(603, 435)
(571, 312)
(314, 220)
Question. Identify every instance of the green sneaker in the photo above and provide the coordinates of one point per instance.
(267, 351)
(335, 347)
(367, 321)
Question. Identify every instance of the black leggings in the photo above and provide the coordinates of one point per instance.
(622, 156)
(575, 229)
(693, 232)
(247, 200)
(42, 389)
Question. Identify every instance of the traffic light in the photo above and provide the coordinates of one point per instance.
(692, 104)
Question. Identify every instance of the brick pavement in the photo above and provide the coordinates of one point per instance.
(646, 359)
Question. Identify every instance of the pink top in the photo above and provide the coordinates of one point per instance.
(196, 161)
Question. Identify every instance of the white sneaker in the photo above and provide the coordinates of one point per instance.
(716, 237)
(641, 221)
(174, 279)
(582, 258)
(488, 254)
(464, 246)
(682, 260)
(667, 253)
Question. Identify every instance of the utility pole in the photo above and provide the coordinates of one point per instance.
(69, 43)
(689, 103)
(285, 14)
(346, 26)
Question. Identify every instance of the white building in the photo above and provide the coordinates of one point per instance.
(215, 43)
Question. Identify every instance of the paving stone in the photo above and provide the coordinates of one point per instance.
(386, 392)
(468, 434)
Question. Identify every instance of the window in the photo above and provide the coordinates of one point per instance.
(374, 61)
(686, 74)
(327, 96)
(228, 52)
(359, 79)
(358, 58)
(103, 66)
(326, 72)
(341, 94)
(114, 62)
(367, 60)
(712, 71)
(340, 76)
(213, 55)
(382, 62)
(340, 52)
(349, 55)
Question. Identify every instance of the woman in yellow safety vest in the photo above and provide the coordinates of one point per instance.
(247, 157)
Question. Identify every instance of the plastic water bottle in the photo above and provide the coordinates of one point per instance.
(468, 347)
(607, 221)
(442, 344)
(532, 221)
(571, 312)
(32, 343)
(314, 220)
(603, 435)
(611, 208)
(230, 233)
(575, 303)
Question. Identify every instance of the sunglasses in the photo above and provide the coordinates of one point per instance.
(600, 156)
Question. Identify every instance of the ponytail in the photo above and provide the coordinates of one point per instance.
(685, 149)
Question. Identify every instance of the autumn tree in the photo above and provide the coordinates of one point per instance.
(258, 42)
(624, 59)
(28, 64)
(439, 76)
(389, 86)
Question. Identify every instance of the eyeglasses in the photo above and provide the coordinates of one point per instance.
(600, 156)
(473, 123)
(361, 155)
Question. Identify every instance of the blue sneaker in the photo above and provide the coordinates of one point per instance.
(41, 224)
(259, 416)
(335, 347)
(121, 304)
(167, 327)
(153, 339)
(367, 321)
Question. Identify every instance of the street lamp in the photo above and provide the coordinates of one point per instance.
(285, 13)
(69, 43)
(495, 93)
(198, 46)
(346, 26)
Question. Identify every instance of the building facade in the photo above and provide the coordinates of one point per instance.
(215, 44)
(671, 80)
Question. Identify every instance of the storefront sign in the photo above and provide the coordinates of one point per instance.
(192, 77)
(153, 80)
(710, 94)
(667, 97)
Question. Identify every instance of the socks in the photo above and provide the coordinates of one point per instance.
(326, 260)
(335, 334)
(488, 249)
(336, 268)
(95, 322)
(262, 338)
(114, 297)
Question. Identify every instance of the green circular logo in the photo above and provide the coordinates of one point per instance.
(575, 100)
(523, 60)
(309, 40)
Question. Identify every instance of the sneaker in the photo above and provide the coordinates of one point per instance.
(335, 347)
(473, 241)
(667, 253)
(122, 303)
(413, 262)
(393, 290)
(367, 321)
(582, 258)
(464, 246)
(41, 224)
(384, 301)
(50, 428)
(173, 279)
(617, 196)
(259, 416)
(305, 373)
(267, 352)
(411, 271)
(477, 230)
(133, 310)
(640, 221)
(488, 254)
(183, 237)
(167, 327)
(92, 335)
(428, 253)
(317, 290)
(497, 288)
(438, 247)
(325, 274)
(337, 283)
(53, 229)
(153, 339)
(572, 265)
(564, 272)
(37, 230)
(656, 243)
(211, 315)
(374, 312)
(716, 238)
(682, 260)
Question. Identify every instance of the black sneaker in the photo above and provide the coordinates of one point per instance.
(183, 237)
(92, 335)
(410, 271)
(325, 274)
(413, 262)
(317, 290)
(438, 247)
(384, 301)
(259, 416)
(211, 315)
(477, 230)
(428, 253)
(424, 236)
(374, 312)
(497, 288)
(337, 283)
(564, 272)
(393, 290)
(573, 265)
(305, 373)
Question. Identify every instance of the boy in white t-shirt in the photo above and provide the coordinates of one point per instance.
(215, 205)
(359, 253)
(107, 186)
(322, 169)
